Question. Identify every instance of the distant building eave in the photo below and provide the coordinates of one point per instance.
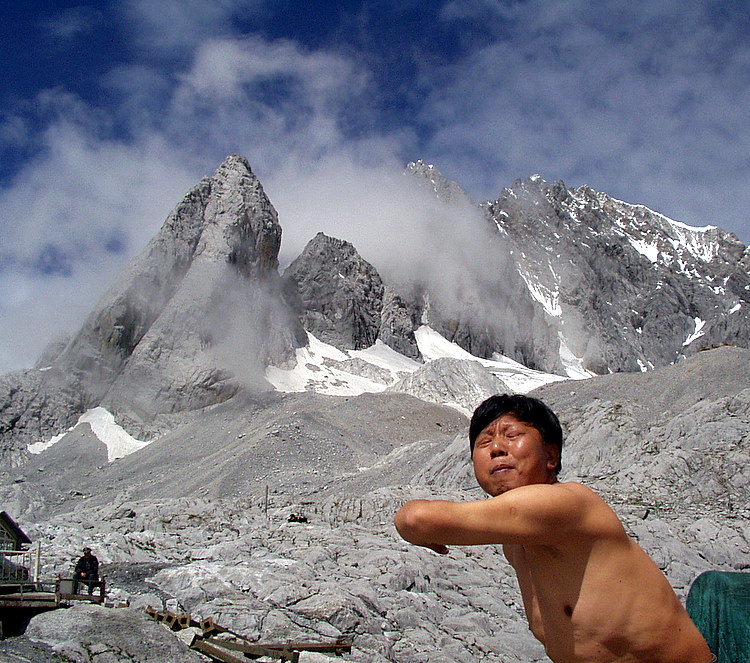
(12, 527)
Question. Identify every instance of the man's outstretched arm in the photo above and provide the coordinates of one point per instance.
(535, 515)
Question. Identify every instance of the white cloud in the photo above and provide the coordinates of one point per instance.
(70, 219)
(646, 102)
(269, 100)
(394, 221)
(71, 22)
(174, 28)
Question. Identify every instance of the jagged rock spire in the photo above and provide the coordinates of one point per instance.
(189, 320)
(341, 298)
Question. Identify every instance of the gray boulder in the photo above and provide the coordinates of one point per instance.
(88, 633)
(458, 383)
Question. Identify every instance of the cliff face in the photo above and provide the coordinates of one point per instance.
(568, 281)
(339, 296)
(193, 319)
(196, 315)
(625, 288)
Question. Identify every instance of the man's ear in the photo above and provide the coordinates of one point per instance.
(553, 456)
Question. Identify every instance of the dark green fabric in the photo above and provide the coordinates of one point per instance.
(719, 604)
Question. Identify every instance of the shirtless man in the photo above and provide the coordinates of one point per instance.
(591, 594)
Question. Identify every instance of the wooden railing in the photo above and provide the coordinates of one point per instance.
(18, 566)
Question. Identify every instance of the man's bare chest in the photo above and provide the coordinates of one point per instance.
(549, 584)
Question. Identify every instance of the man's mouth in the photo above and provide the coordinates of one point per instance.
(501, 469)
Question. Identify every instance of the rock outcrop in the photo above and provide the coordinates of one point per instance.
(454, 382)
(192, 320)
(34, 406)
(337, 295)
(195, 316)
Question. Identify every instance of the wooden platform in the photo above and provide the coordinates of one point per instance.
(29, 600)
(31, 596)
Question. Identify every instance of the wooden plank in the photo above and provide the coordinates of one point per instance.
(328, 647)
(33, 603)
(256, 650)
(218, 653)
(284, 650)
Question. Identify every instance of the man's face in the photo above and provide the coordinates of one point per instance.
(509, 453)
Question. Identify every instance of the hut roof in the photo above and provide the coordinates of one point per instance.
(7, 523)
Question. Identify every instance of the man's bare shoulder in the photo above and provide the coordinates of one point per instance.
(569, 495)
(578, 492)
(568, 507)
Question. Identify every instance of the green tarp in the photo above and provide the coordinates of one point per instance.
(719, 604)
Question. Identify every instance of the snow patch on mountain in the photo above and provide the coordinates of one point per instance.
(549, 299)
(573, 365)
(119, 443)
(323, 369)
(650, 251)
(680, 236)
(645, 366)
(697, 332)
(518, 377)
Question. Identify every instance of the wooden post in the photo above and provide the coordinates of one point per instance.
(216, 652)
(38, 552)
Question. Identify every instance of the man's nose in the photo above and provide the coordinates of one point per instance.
(497, 446)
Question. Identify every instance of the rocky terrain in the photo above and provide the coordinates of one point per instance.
(336, 391)
(184, 523)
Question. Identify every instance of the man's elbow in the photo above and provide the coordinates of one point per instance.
(412, 521)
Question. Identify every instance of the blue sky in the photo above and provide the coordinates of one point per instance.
(111, 111)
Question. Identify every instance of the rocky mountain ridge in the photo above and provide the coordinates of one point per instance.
(629, 288)
(573, 283)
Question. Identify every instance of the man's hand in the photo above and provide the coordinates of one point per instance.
(439, 548)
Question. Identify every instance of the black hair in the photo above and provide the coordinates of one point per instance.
(525, 408)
